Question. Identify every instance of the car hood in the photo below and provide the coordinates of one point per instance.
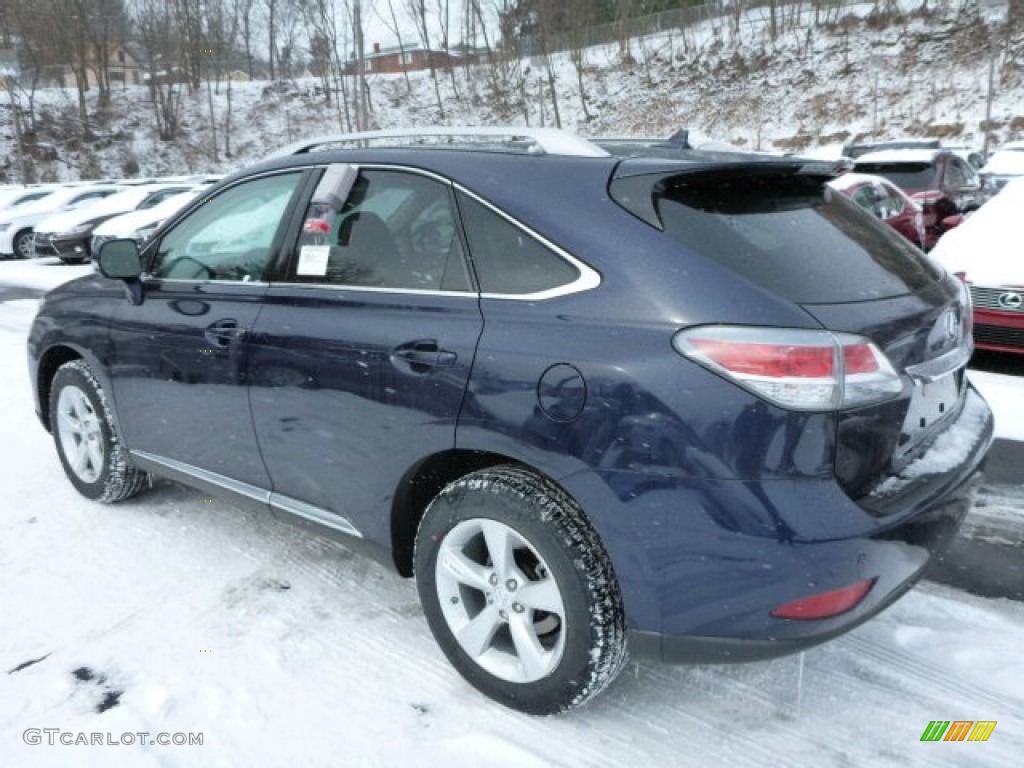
(985, 246)
(127, 223)
(61, 222)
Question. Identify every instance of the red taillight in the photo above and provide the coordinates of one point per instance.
(824, 605)
(772, 360)
(961, 276)
(798, 369)
(859, 358)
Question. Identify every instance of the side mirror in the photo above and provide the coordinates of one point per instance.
(120, 260)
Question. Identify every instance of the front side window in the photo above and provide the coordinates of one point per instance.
(509, 261)
(955, 178)
(230, 236)
(867, 198)
(891, 202)
(395, 231)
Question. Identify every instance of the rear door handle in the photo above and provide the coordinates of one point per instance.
(223, 332)
(422, 355)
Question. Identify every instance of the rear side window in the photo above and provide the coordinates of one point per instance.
(909, 176)
(789, 234)
(507, 259)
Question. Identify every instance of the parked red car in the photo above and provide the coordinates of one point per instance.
(944, 184)
(887, 201)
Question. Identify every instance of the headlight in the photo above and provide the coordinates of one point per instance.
(82, 229)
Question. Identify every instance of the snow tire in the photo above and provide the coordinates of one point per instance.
(545, 526)
(109, 475)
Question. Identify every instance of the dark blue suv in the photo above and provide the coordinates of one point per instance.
(703, 409)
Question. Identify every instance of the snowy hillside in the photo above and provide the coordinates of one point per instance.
(865, 73)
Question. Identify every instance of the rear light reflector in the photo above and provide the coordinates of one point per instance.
(825, 605)
(797, 369)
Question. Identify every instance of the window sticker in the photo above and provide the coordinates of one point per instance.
(313, 260)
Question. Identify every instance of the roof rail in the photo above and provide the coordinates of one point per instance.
(550, 141)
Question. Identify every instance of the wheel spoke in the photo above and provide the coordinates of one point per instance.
(499, 545)
(95, 451)
(542, 596)
(464, 570)
(68, 421)
(80, 460)
(532, 656)
(82, 406)
(475, 637)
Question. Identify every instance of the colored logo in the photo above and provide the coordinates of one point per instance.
(958, 730)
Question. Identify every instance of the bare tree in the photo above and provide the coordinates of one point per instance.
(443, 14)
(160, 44)
(582, 14)
(417, 10)
(270, 8)
(391, 22)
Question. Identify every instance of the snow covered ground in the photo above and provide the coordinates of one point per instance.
(180, 614)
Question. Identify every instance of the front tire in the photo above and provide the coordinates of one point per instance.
(23, 247)
(89, 448)
(519, 592)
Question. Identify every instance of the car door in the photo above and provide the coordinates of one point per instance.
(177, 359)
(360, 359)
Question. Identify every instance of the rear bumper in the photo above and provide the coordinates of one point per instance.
(702, 563)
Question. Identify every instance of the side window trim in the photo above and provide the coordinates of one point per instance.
(589, 278)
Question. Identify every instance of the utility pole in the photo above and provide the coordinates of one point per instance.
(1000, 7)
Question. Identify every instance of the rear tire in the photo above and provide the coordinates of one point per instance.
(89, 448)
(519, 592)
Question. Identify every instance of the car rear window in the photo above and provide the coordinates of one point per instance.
(907, 176)
(788, 233)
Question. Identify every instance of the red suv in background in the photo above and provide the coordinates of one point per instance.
(886, 201)
(944, 184)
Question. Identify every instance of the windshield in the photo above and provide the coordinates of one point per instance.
(908, 176)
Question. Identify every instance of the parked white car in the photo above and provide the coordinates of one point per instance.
(1004, 165)
(140, 225)
(985, 253)
(67, 234)
(18, 224)
(15, 196)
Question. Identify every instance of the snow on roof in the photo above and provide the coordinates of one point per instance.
(899, 156)
(1015, 145)
(1006, 161)
(850, 180)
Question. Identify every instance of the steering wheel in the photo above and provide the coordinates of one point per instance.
(432, 238)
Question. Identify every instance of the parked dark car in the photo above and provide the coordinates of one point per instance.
(944, 184)
(888, 202)
(702, 411)
(858, 149)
